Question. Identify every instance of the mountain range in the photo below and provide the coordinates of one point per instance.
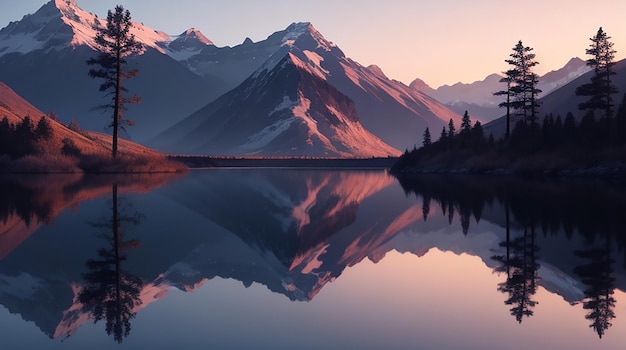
(478, 99)
(185, 78)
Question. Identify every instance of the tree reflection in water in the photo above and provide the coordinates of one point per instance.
(597, 275)
(591, 210)
(112, 293)
(520, 265)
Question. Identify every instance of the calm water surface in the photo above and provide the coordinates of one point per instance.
(309, 259)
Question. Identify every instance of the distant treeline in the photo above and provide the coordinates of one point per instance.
(282, 162)
(553, 144)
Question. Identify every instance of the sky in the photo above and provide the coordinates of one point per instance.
(440, 42)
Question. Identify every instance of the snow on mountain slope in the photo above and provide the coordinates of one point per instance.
(61, 23)
(187, 44)
(389, 109)
(286, 108)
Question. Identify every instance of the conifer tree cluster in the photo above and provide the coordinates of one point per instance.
(19, 140)
(602, 129)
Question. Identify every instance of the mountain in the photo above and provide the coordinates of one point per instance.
(189, 43)
(13, 106)
(288, 109)
(386, 108)
(43, 58)
(478, 98)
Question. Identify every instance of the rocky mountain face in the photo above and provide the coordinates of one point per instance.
(287, 109)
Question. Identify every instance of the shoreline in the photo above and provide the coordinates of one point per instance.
(199, 162)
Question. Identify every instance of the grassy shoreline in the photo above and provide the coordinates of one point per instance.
(92, 164)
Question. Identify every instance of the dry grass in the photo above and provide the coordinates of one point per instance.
(45, 164)
(93, 155)
(130, 163)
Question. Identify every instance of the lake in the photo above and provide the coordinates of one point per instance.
(310, 259)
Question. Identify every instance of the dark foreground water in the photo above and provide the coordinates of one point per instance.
(310, 259)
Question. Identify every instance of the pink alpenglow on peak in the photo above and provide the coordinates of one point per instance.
(60, 24)
(296, 31)
(190, 41)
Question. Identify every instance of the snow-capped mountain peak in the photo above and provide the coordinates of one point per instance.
(61, 23)
(187, 44)
(300, 30)
(191, 36)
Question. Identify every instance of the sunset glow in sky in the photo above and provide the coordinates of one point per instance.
(440, 42)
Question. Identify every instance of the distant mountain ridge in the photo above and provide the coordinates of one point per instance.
(564, 99)
(478, 98)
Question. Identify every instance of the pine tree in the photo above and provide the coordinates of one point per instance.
(600, 89)
(509, 78)
(522, 84)
(478, 136)
(451, 129)
(6, 135)
(24, 137)
(115, 43)
(427, 141)
(443, 136)
(466, 124)
(43, 129)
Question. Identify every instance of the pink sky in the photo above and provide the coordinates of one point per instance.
(440, 42)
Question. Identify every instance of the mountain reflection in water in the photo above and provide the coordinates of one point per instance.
(80, 249)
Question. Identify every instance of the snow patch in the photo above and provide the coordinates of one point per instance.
(559, 282)
(265, 136)
(301, 111)
(19, 43)
(313, 65)
(287, 103)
